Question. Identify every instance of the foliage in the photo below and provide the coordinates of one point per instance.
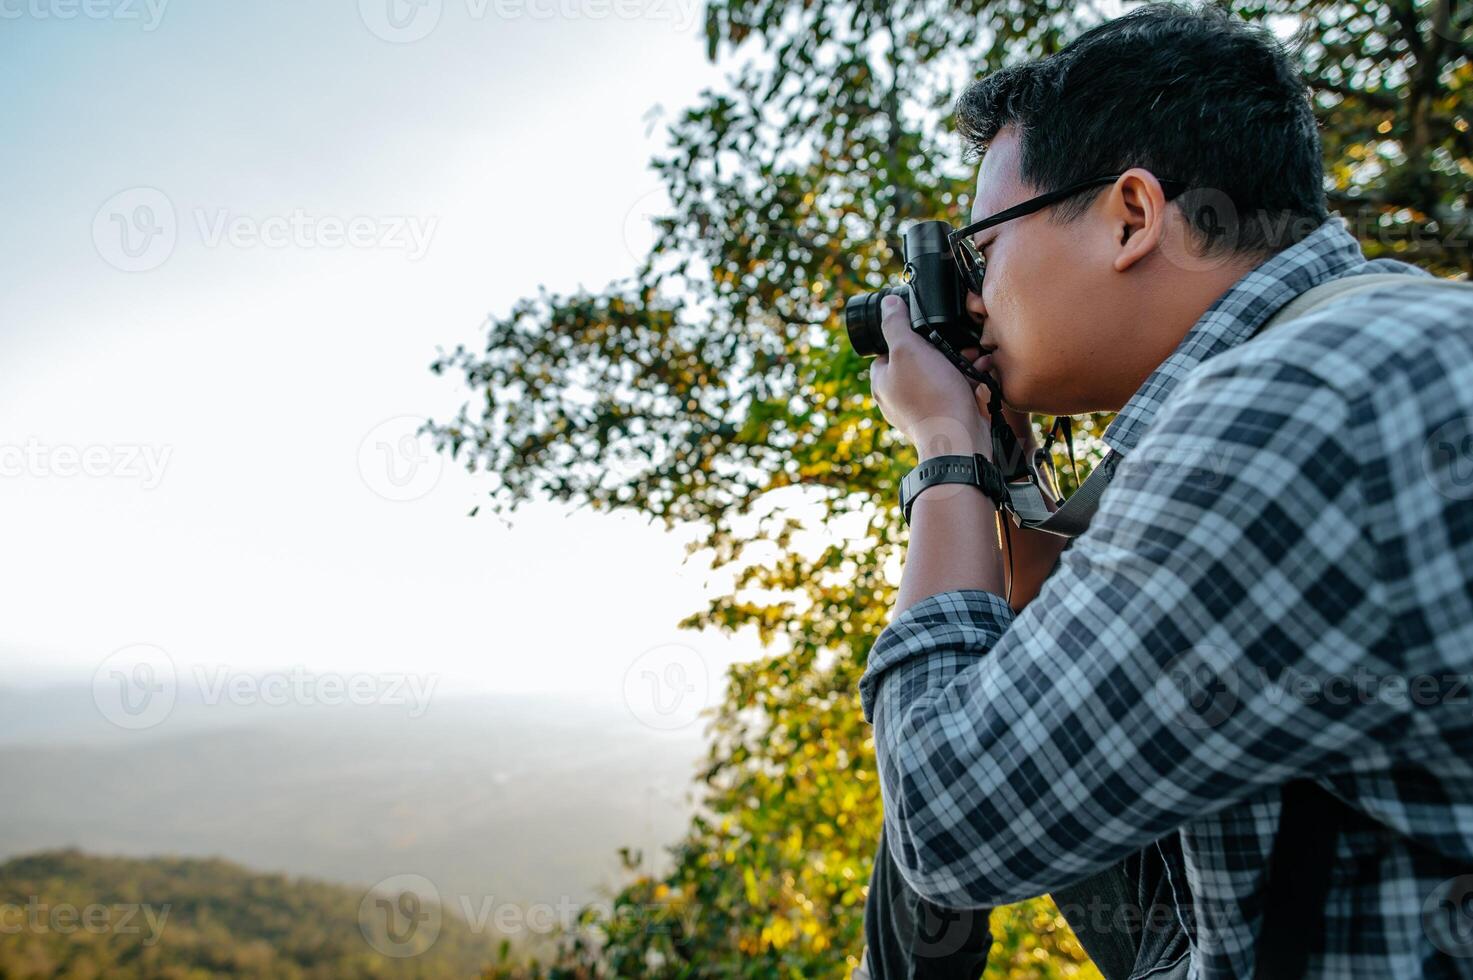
(67, 914)
(716, 387)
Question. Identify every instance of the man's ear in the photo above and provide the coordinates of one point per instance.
(1135, 207)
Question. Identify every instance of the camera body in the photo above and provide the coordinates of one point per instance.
(932, 289)
(937, 301)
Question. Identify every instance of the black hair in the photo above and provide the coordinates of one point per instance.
(1188, 93)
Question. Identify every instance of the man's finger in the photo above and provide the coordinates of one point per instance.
(895, 321)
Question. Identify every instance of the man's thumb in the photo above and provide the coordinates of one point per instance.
(894, 320)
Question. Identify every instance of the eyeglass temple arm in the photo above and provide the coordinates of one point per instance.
(1044, 200)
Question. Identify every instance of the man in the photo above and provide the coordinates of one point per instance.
(1283, 557)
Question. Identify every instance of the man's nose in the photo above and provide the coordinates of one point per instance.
(976, 308)
(977, 313)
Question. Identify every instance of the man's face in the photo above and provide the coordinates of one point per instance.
(1046, 298)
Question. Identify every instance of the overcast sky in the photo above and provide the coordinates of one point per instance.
(233, 236)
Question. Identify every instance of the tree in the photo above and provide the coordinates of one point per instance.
(717, 387)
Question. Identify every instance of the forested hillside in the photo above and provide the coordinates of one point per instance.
(68, 914)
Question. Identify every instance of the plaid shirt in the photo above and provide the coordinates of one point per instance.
(1277, 583)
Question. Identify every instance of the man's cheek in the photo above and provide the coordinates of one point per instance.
(1025, 369)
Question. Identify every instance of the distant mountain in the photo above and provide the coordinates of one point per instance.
(495, 801)
(66, 914)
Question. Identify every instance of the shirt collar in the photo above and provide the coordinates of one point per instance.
(1326, 253)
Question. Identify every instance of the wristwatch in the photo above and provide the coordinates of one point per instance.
(974, 470)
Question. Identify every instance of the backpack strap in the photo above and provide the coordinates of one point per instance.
(1311, 822)
(1312, 300)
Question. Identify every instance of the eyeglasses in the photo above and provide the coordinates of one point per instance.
(970, 261)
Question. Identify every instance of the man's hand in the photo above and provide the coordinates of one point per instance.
(922, 393)
(942, 411)
(953, 537)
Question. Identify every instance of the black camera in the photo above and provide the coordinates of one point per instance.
(937, 302)
(936, 296)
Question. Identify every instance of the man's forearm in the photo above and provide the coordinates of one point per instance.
(953, 545)
(960, 545)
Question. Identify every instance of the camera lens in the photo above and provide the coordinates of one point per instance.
(862, 318)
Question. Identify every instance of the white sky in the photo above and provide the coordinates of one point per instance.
(254, 374)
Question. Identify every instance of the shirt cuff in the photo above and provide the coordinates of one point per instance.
(964, 624)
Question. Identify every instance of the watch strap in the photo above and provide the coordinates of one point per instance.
(974, 470)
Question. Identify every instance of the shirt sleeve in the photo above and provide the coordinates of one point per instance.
(1168, 667)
